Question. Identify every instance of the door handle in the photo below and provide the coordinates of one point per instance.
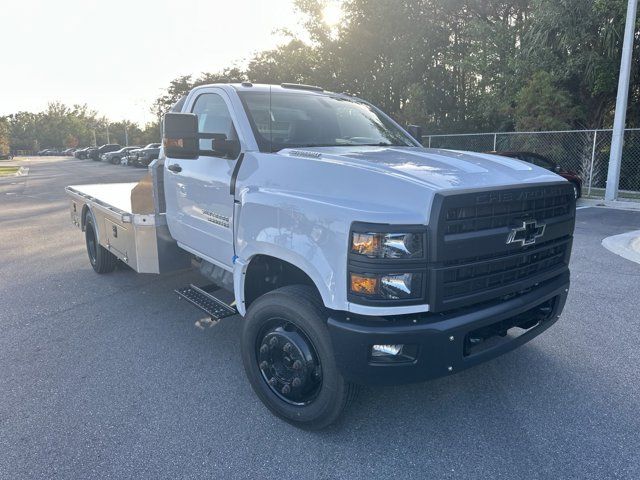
(175, 168)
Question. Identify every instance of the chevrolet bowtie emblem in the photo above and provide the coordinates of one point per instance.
(527, 233)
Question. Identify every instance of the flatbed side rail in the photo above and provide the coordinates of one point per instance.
(124, 217)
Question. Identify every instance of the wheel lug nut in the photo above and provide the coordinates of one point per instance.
(272, 381)
(273, 342)
(296, 382)
(297, 365)
(286, 389)
(264, 365)
(287, 347)
(264, 349)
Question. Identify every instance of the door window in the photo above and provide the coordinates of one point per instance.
(213, 118)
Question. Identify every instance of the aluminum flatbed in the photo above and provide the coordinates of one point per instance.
(128, 225)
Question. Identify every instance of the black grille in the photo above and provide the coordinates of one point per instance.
(470, 260)
(493, 212)
(477, 277)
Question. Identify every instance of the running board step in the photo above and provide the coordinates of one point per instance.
(202, 298)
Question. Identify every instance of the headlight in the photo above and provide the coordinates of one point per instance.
(387, 264)
(386, 286)
(388, 245)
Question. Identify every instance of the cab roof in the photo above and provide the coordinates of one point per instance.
(263, 87)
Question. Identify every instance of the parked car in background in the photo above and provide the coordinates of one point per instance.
(116, 156)
(81, 153)
(545, 162)
(68, 152)
(146, 155)
(47, 152)
(130, 157)
(109, 147)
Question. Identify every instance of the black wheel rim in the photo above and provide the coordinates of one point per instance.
(288, 362)
(91, 244)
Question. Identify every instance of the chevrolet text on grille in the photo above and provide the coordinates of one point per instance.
(512, 196)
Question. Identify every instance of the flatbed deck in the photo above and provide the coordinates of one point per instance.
(141, 240)
(117, 195)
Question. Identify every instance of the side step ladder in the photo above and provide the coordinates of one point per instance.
(202, 298)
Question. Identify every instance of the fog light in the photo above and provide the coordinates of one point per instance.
(382, 350)
(398, 353)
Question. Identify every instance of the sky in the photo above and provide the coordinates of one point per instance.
(117, 56)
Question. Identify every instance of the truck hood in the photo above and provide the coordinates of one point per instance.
(434, 168)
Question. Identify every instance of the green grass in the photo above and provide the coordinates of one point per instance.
(4, 171)
(599, 193)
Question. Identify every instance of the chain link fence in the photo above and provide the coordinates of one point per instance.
(584, 152)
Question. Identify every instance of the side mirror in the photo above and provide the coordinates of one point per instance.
(416, 132)
(226, 148)
(180, 135)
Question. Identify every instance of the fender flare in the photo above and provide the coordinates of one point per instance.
(240, 270)
(86, 211)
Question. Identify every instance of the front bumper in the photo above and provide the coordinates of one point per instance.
(443, 340)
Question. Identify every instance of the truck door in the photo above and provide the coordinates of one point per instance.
(197, 190)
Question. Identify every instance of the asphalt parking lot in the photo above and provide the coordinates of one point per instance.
(109, 377)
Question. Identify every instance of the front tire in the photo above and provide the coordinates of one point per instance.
(289, 360)
(101, 259)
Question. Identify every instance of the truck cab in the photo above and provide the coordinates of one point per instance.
(352, 254)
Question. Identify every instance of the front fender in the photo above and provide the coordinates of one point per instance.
(297, 233)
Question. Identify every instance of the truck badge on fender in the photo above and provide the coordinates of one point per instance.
(527, 233)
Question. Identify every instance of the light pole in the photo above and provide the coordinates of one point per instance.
(126, 135)
(617, 139)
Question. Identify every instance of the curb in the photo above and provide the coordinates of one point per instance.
(627, 245)
(22, 172)
(616, 204)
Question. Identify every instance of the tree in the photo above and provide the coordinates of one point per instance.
(5, 135)
(24, 135)
(541, 105)
(182, 85)
(579, 42)
(448, 65)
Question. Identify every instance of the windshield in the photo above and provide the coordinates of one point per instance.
(296, 120)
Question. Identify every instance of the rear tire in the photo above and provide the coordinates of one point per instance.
(101, 259)
(299, 383)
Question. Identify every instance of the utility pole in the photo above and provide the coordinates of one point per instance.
(94, 137)
(617, 138)
(108, 132)
(126, 135)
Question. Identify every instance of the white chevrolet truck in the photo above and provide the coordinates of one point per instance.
(352, 254)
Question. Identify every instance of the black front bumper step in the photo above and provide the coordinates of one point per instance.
(203, 298)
